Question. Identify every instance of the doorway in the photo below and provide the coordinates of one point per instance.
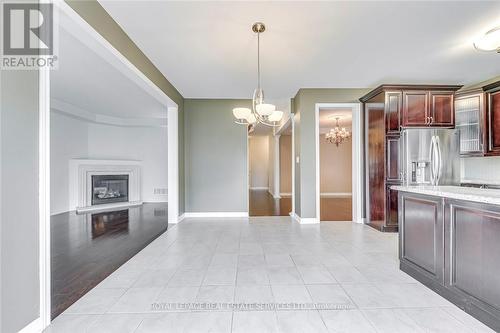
(270, 172)
(338, 162)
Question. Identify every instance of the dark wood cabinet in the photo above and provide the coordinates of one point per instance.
(415, 108)
(393, 107)
(441, 109)
(477, 116)
(392, 210)
(428, 108)
(388, 109)
(421, 234)
(470, 120)
(494, 122)
(393, 159)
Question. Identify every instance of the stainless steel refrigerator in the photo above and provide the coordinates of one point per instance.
(431, 156)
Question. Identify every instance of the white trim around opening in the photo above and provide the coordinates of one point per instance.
(357, 159)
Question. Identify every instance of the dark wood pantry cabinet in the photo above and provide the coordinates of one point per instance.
(387, 110)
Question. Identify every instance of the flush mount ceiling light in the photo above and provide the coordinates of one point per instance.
(490, 41)
(261, 112)
(337, 135)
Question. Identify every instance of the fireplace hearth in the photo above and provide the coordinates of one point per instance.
(108, 189)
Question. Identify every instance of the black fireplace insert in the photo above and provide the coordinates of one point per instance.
(109, 189)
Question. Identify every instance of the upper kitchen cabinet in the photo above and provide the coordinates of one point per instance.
(493, 120)
(416, 108)
(477, 116)
(433, 108)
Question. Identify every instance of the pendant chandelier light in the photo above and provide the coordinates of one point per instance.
(337, 135)
(261, 112)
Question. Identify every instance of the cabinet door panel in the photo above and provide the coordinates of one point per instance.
(393, 165)
(415, 108)
(494, 123)
(393, 106)
(422, 232)
(475, 251)
(392, 208)
(442, 111)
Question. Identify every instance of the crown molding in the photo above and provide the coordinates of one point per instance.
(71, 110)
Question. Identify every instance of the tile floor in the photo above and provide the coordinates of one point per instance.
(331, 277)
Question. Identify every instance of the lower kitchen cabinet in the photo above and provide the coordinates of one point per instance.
(453, 247)
(473, 263)
(421, 234)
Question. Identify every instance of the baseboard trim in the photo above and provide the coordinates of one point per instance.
(259, 188)
(215, 214)
(34, 327)
(336, 194)
(179, 219)
(306, 220)
(275, 196)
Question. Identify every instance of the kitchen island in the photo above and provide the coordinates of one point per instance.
(449, 239)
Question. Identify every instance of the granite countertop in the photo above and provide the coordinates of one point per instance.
(480, 195)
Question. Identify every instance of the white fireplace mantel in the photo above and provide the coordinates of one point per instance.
(80, 182)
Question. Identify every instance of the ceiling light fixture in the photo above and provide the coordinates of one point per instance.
(261, 112)
(490, 41)
(337, 135)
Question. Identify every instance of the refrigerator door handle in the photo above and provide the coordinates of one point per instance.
(440, 160)
(432, 160)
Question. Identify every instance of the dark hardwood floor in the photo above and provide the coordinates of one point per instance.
(262, 203)
(336, 209)
(86, 248)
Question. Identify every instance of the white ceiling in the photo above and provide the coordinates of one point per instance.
(327, 118)
(86, 81)
(207, 50)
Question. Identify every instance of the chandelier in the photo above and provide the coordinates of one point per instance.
(337, 135)
(261, 112)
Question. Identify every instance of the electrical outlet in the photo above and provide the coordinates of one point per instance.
(160, 191)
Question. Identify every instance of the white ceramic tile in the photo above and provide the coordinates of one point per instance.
(116, 323)
(65, 323)
(392, 320)
(251, 261)
(316, 275)
(279, 260)
(330, 296)
(300, 322)
(224, 261)
(173, 298)
(252, 322)
(187, 277)
(346, 321)
(252, 276)
(368, 296)
(154, 278)
(347, 275)
(96, 301)
(250, 248)
(136, 300)
(291, 294)
(436, 320)
(253, 294)
(472, 323)
(220, 276)
(284, 275)
(121, 278)
(215, 294)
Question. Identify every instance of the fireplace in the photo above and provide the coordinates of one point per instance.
(108, 189)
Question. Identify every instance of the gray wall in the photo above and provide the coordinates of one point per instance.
(215, 156)
(19, 246)
(304, 104)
